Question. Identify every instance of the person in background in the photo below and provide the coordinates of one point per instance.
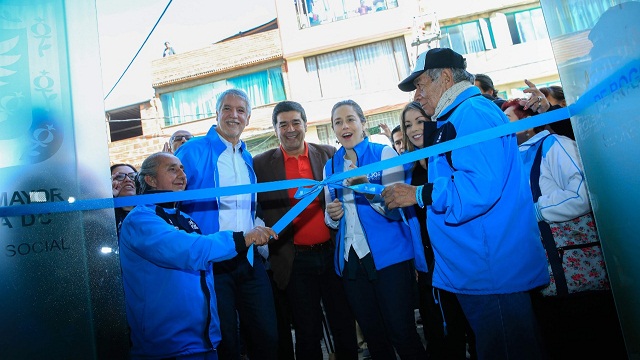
(555, 97)
(379, 5)
(374, 249)
(380, 134)
(243, 288)
(582, 322)
(444, 324)
(168, 50)
(539, 103)
(384, 130)
(176, 140)
(487, 251)
(123, 183)
(364, 8)
(485, 84)
(302, 258)
(167, 270)
(397, 140)
(536, 100)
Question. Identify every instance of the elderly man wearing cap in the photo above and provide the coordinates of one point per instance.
(486, 245)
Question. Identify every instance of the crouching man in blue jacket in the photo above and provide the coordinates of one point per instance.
(167, 270)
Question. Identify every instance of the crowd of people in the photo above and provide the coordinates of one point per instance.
(494, 243)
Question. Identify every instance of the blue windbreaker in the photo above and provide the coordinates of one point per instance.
(162, 268)
(484, 234)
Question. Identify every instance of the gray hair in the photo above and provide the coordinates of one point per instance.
(149, 167)
(459, 75)
(233, 92)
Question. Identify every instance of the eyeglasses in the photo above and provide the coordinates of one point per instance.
(120, 176)
(180, 137)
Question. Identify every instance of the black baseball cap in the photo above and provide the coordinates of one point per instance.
(433, 59)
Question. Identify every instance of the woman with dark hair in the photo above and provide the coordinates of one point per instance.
(123, 183)
(575, 311)
(444, 324)
(555, 95)
(374, 249)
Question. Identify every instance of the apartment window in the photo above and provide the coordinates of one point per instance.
(375, 66)
(463, 38)
(391, 118)
(199, 102)
(527, 25)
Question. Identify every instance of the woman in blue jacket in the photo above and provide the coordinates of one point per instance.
(374, 249)
(167, 270)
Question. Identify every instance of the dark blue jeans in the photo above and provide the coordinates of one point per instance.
(313, 278)
(504, 325)
(445, 327)
(384, 309)
(244, 292)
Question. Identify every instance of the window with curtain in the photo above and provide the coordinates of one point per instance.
(527, 25)
(463, 38)
(375, 66)
(199, 102)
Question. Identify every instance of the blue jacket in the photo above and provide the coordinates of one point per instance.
(390, 241)
(200, 159)
(162, 268)
(484, 234)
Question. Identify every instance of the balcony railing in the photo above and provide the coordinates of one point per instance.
(319, 12)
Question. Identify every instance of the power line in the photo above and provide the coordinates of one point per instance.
(140, 49)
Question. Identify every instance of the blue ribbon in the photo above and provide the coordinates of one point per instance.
(309, 189)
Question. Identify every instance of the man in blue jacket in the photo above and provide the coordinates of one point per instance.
(166, 270)
(243, 288)
(485, 240)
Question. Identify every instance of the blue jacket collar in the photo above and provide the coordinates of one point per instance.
(360, 148)
(220, 146)
(470, 92)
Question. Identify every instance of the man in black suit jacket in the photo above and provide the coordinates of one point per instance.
(302, 257)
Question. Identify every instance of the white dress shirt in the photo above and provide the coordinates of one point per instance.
(354, 235)
(235, 210)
